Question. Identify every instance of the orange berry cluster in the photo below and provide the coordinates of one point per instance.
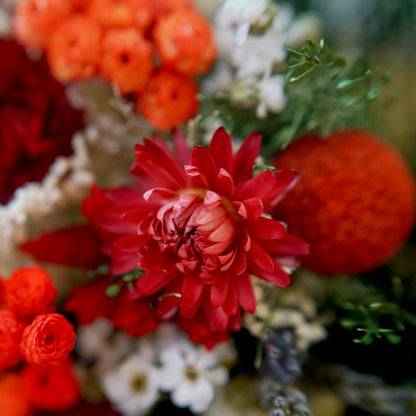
(33, 333)
(149, 50)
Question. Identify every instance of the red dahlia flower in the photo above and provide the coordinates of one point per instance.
(196, 223)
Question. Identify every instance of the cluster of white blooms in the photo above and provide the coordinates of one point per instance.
(133, 372)
(252, 37)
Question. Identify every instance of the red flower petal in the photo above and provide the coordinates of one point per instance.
(267, 229)
(77, 246)
(287, 245)
(257, 187)
(286, 180)
(219, 290)
(192, 288)
(182, 153)
(202, 159)
(260, 257)
(221, 150)
(246, 293)
(245, 157)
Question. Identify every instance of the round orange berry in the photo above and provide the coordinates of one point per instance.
(74, 49)
(35, 20)
(169, 100)
(185, 42)
(127, 59)
(122, 13)
(354, 203)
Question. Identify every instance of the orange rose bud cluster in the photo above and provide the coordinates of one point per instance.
(35, 337)
(136, 45)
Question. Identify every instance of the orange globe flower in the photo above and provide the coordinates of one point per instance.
(185, 42)
(199, 228)
(127, 59)
(36, 20)
(74, 49)
(169, 100)
(355, 202)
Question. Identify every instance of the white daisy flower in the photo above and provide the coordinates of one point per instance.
(190, 373)
(133, 387)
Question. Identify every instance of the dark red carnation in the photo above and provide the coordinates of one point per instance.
(48, 340)
(52, 388)
(10, 334)
(197, 224)
(355, 202)
(89, 301)
(76, 246)
(36, 121)
(29, 292)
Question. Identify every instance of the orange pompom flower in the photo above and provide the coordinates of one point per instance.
(10, 334)
(74, 49)
(185, 42)
(48, 340)
(29, 292)
(13, 396)
(127, 59)
(52, 388)
(36, 20)
(121, 13)
(169, 100)
(355, 202)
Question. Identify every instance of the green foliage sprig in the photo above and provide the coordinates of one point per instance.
(324, 95)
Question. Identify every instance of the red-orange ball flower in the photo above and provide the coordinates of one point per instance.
(10, 334)
(199, 228)
(169, 100)
(74, 49)
(52, 388)
(355, 202)
(127, 59)
(185, 42)
(48, 340)
(29, 292)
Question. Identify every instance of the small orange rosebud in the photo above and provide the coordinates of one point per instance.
(48, 340)
(185, 42)
(74, 49)
(35, 21)
(169, 100)
(29, 292)
(127, 59)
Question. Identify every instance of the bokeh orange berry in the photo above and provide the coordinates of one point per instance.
(74, 49)
(36, 20)
(169, 100)
(126, 59)
(185, 42)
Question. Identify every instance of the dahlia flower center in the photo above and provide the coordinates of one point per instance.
(200, 231)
